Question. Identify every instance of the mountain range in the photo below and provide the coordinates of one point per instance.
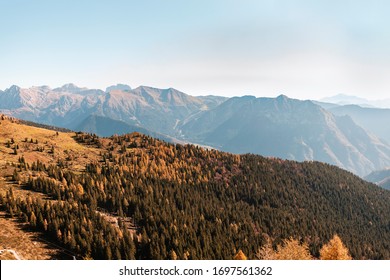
(343, 99)
(275, 127)
(288, 128)
(158, 110)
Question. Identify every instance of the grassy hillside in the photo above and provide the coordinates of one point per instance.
(35, 143)
(134, 197)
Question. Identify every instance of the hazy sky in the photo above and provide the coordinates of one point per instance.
(304, 49)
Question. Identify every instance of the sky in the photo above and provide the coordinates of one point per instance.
(303, 49)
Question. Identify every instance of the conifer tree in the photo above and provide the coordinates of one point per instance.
(173, 255)
(266, 252)
(290, 249)
(334, 250)
(293, 250)
(16, 176)
(33, 220)
(240, 256)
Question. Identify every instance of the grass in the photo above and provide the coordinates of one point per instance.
(7, 256)
(27, 244)
(65, 147)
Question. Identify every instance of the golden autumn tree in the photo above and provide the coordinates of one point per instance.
(173, 255)
(266, 252)
(33, 219)
(240, 256)
(290, 249)
(335, 250)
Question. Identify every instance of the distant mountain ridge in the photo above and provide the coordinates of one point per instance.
(380, 177)
(291, 129)
(158, 110)
(375, 120)
(118, 87)
(106, 127)
(276, 127)
(343, 99)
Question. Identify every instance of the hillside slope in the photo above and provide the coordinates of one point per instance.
(153, 200)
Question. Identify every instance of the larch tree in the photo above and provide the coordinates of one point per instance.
(240, 256)
(266, 252)
(173, 255)
(291, 249)
(335, 250)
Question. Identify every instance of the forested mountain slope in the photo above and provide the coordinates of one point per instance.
(135, 197)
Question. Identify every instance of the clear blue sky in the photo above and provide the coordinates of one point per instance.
(304, 49)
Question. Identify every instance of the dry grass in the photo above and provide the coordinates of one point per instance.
(7, 256)
(28, 245)
(18, 190)
(64, 145)
(14, 236)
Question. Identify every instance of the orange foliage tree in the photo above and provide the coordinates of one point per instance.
(291, 249)
(334, 250)
(240, 256)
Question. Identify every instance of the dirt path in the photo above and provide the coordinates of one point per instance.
(16, 256)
